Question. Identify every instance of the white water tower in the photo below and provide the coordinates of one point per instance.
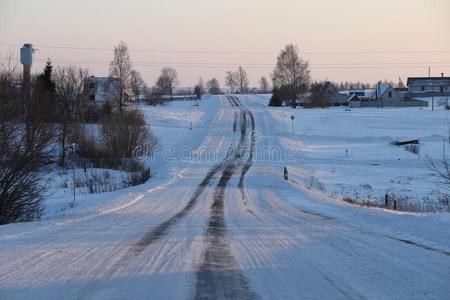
(26, 55)
(26, 59)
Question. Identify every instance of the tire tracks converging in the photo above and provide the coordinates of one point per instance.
(219, 275)
(162, 229)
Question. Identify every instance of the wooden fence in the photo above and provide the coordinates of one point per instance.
(391, 202)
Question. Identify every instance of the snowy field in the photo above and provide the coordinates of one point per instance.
(349, 152)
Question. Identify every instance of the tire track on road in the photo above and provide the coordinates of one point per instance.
(162, 229)
(219, 275)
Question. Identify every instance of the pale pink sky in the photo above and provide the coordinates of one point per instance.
(363, 40)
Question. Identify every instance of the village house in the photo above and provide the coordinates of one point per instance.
(332, 95)
(102, 89)
(385, 96)
(424, 85)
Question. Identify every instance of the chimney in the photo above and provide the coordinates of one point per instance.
(442, 75)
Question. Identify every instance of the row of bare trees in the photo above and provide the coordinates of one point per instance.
(129, 79)
(237, 80)
(25, 143)
(37, 128)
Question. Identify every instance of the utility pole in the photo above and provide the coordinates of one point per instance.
(292, 119)
(432, 98)
(74, 153)
(432, 103)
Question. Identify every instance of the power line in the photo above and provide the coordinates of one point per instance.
(240, 52)
(260, 66)
(252, 64)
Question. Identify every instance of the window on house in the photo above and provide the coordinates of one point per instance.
(390, 94)
(442, 89)
(423, 88)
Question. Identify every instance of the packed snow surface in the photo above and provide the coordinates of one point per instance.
(218, 221)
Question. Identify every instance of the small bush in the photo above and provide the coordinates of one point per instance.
(101, 182)
(137, 178)
(276, 101)
(413, 148)
(314, 183)
(124, 132)
(356, 201)
(79, 182)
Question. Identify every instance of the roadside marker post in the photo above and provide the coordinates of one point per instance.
(74, 158)
(292, 119)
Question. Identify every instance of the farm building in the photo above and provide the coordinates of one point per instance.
(440, 85)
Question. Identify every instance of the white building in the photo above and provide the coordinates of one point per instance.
(439, 85)
(103, 89)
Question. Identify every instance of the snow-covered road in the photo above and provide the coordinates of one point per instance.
(227, 227)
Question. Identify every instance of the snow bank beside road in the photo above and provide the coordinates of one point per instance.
(171, 124)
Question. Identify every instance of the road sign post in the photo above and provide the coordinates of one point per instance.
(74, 157)
(292, 119)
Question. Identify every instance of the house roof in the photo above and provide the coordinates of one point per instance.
(361, 93)
(329, 87)
(428, 81)
(382, 88)
(354, 97)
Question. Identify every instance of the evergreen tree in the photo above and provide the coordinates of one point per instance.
(43, 103)
(44, 81)
(277, 97)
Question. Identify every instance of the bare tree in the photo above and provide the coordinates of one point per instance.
(71, 99)
(231, 81)
(242, 80)
(199, 89)
(264, 85)
(155, 96)
(201, 85)
(441, 168)
(291, 72)
(22, 156)
(124, 133)
(167, 81)
(213, 86)
(121, 67)
(137, 84)
(198, 92)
